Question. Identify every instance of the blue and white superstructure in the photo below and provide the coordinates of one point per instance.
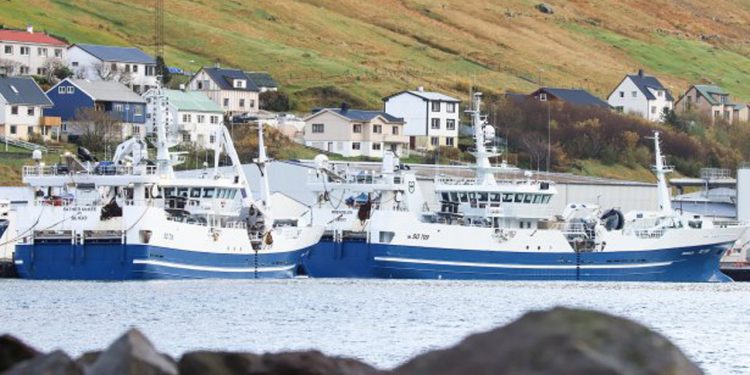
(136, 219)
(489, 228)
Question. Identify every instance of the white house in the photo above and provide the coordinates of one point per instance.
(22, 103)
(28, 52)
(127, 65)
(197, 117)
(642, 95)
(231, 89)
(431, 119)
(353, 132)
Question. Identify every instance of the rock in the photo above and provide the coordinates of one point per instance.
(545, 8)
(132, 354)
(87, 359)
(297, 363)
(558, 341)
(13, 351)
(315, 363)
(55, 363)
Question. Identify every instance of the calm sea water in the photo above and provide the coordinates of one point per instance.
(382, 322)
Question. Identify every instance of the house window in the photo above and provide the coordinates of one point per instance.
(543, 97)
(449, 141)
(318, 128)
(41, 51)
(355, 146)
(137, 110)
(622, 94)
(24, 70)
(653, 109)
(150, 70)
(8, 50)
(199, 85)
(451, 107)
(242, 103)
(239, 83)
(186, 118)
(726, 115)
(659, 93)
(137, 88)
(74, 63)
(135, 68)
(62, 90)
(716, 114)
(30, 130)
(226, 102)
(201, 119)
(252, 103)
(71, 89)
(435, 106)
(394, 130)
(13, 129)
(450, 124)
(376, 146)
(186, 137)
(30, 111)
(357, 128)
(113, 67)
(377, 129)
(634, 94)
(118, 107)
(434, 141)
(620, 109)
(127, 68)
(214, 120)
(41, 71)
(436, 123)
(14, 110)
(25, 51)
(212, 139)
(58, 52)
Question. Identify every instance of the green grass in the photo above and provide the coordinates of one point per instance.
(615, 171)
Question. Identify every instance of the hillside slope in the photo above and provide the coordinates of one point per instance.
(369, 48)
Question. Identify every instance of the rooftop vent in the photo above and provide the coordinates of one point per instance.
(30, 28)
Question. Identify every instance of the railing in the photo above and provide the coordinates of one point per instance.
(108, 170)
(468, 181)
(715, 174)
(22, 144)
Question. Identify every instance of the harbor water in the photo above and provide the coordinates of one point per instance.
(383, 322)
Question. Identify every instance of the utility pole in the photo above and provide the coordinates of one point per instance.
(159, 35)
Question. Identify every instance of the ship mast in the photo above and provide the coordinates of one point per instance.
(262, 161)
(485, 175)
(163, 156)
(660, 170)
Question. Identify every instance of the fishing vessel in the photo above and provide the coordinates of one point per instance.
(135, 218)
(489, 228)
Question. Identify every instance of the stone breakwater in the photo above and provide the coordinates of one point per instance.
(557, 341)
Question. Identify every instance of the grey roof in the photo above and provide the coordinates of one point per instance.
(427, 95)
(106, 91)
(262, 79)
(644, 82)
(362, 115)
(573, 96)
(23, 91)
(224, 78)
(117, 54)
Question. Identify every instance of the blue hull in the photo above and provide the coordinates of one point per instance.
(144, 262)
(363, 260)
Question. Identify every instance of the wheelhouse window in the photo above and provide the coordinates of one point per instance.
(209, 192)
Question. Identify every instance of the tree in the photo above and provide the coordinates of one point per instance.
(670, 117)
(161, 67)
(55, 71)
(97, 130)
(9, 67)
(274, 101)
(110, 72)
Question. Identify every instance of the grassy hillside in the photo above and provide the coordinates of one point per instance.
(367, 49)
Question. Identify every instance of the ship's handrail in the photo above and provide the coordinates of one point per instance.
(358, 179)
(108, 170)
(469, 181)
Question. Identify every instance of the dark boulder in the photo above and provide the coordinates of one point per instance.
(13, 351)
(545, 8)
(55, 363)
(87, 359)
(559, 341)
(132, 354)
(292, 363)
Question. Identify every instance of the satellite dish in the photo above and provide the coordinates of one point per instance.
(321, 161)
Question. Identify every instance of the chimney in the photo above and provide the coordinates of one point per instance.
(30, 28)
(420, 88)
(344, 107)
(640, 73)
(217, 64)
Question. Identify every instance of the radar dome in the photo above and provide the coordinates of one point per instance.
(36, 155)
(321, 161)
